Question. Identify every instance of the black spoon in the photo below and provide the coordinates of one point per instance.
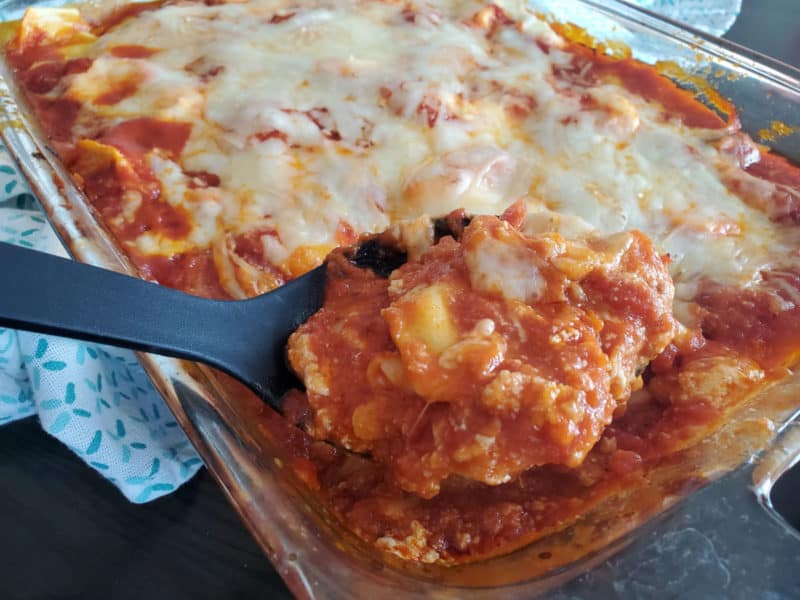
(246, 338)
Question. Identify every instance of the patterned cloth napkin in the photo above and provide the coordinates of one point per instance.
(98, 400)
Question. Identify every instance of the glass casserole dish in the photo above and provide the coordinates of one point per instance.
(299, 540)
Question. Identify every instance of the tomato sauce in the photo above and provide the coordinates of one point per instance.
(750, 321)
(158, 216)
(132, 51)
(57, 117)
(136, 137)
(122, 91)
(23, 57)
(104, 187)
(192, 272)
(105, 183)
(42, 78)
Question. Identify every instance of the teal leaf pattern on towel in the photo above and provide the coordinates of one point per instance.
(59, 423)
(94, 446)
(95, 399)
(55, 365)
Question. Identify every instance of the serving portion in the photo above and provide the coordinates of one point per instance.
(502, 382)
(484, 358)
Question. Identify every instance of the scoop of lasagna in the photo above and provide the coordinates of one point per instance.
(485, 357)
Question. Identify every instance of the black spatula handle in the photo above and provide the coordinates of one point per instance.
(57, 296)
(53, 295)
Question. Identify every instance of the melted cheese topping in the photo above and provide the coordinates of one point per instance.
(510, 271)
(314, 113)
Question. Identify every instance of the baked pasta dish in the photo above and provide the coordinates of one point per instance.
(589, 270)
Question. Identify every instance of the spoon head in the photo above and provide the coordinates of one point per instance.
(291, 305)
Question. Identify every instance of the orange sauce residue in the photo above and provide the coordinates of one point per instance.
(777, 129)
(579, 35)
(656, 84)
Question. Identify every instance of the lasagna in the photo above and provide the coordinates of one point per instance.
(228, 147)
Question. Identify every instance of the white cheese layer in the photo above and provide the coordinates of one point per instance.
(315, 113)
